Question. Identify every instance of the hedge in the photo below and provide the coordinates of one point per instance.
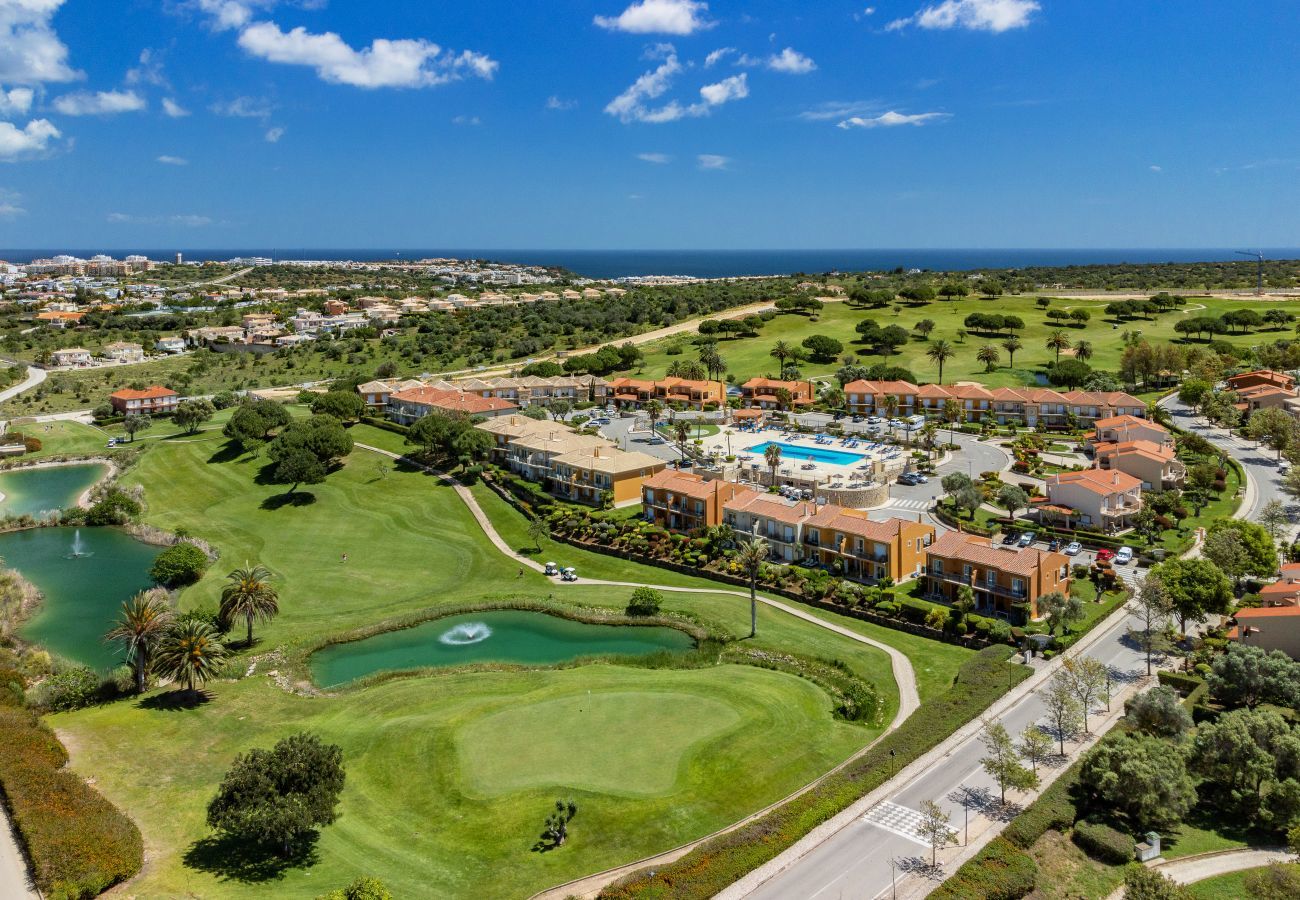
(1001, 871)
(1054, 810)
(385, 425)
(718, 862)
(1182, 682)
(79, 843)
(1104, 843)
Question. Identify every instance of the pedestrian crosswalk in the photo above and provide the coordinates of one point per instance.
(900, 820)
(919, 504)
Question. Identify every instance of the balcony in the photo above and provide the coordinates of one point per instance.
(996, 589)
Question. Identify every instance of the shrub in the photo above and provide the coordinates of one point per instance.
(1001, 871)
(1103, 842)
(32, 445)
(361, 889)
(645, 602)
(915, 612)
(114, 508)
(179, 565)
(72, 689)
(1053, 810)
(79, 843)
(1180, 681)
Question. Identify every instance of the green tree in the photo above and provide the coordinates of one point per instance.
(1083, 350)
(1011, 345)
(248, 595)
(1273, 518)
(1137, 777)
(1062, 708)
(192, 413)
(1276, 881)
(1087, 678)
(346, 406)
(1058, 341)
(304, 451)
(1241, 752)
(772, 456)
(824, 349)
(253, 423)
(645, 601)
(1059, 610)
(180, 564)
(782, 352)
(1247, 676)
(140, 628)
(361, 889)
(539, 530)
(654, 410)
(1274, 428)
(989, 355)
(934, 829)
(1196, 588)
(750, 557)
(556, 830)
(1003, 761)
(1141, 883)
(298, 467)
(940, 352)
(190, 653)
(1193, 390)
(1255, 544)
(1160, 712)
(1035, 745)
(1151, 606)
(136, 422)
(1012, 498)
(278, 796)
(1070, 374)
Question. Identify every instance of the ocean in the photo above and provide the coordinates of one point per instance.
(709, 263)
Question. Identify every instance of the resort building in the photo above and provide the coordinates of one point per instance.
(850, 544)
(1285, 591)
(592, 474)
(1271, 628)
(1118, 429)
(1025, 406)
(762, 393)
(636, 392)
(1152, 464)
(1263, 396)
(686, 502)
(780, 522)
(1006, 581)
(1106, 499)
(150, 401)
(1261, 378)
(409, 406)
(71, 356)
(124, 352)
(522, 392)
(56, 318)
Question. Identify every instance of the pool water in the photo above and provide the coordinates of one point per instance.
(801, 453)
(35, 492)
(499, 636)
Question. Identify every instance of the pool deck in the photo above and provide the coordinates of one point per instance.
(864, 455)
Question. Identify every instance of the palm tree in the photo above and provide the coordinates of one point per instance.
(783, 398)
(891, 406)
(682, 433)
(654, 409)
(782, 351)
(772, 455)
(952, 414)
(1011, 345)
(989, 355)
(190, 653)
(1083, 350)
(713, 362)
(1058, 341)
(940, 352)
(249, 596)
(750, 557)
(144, 622)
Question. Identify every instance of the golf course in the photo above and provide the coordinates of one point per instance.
(450, 773)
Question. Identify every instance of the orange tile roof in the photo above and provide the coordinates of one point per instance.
(452, 401)
(855, 522)
(771, 506)
(1267, 612)
(153, 392)
(981, 551)
(1140, 447)
(1105, 482)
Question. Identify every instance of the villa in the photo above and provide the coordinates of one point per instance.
(1027, 406)
(150, 401)
(768, 516)
(637, 392)
(846, 541)
(170, 344)
(71, 356)
(686, 502)
(527, 391)
(1285, 591)
(1261, 378)
(1103, 498)
(1117, 429)
(1153, 464)
(409, 406)
(124, 352)
(762, 393)
(1005, 580)
(1273, 628)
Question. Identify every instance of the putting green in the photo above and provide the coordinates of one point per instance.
(590, 742)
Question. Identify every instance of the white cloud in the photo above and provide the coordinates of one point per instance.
(467, 120)
(631, 105)
(838, 109)
(659, 159)
(9, 205)
(659, 17)
(791, 62)
(892, 119)
(977, 15)
(30, 50)
(99, 103)
(174, 109)
(385, 63)
(183, 220)
(227, 14)
(273, 135)
(557, 104)
(32, 140)
(243, 108)
(713, 58)
(1156, 169)
(149, 71)
(712, 161)
(173, 160)
(16, 102)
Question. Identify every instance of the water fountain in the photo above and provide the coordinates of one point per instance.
(466, 633)
(78, 548)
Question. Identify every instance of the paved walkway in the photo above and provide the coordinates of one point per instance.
(34, 377)
(15, 877)
(909, 699)
(1192, 869)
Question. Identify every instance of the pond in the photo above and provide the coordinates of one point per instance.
(83, 590)
(495, 636)
(34, 492)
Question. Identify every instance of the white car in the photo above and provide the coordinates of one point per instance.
(1124, 556)
(1073, 548)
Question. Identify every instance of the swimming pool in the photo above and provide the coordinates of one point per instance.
(800, 453)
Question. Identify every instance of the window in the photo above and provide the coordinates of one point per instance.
(965, 572)
(990, 577)
(936, 566)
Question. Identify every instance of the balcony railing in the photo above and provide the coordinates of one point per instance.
(995, 588)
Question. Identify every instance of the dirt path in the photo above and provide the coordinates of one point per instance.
(1207, 865)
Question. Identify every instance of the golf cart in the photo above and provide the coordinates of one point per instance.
(551, 569)
(568, 574)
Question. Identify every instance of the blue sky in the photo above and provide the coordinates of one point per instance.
(654, 124)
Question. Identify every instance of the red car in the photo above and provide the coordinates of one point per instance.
(1104, 555)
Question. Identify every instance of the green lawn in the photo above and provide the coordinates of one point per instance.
(450, 776)
(1224, 887)
(747, 357)
(59, 438)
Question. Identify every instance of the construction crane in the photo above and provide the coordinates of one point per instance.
(1259, 274)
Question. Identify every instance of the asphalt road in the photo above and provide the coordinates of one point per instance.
(855, 863)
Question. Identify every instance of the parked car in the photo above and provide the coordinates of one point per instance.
(1026, 538)
(909, 478)
(873, 420)
(1073, 548)
(1124, 556)
(1054, 544)
(857, 419)
(1008, 539)
(1105, 554)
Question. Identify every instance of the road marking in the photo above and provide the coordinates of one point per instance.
(900, 820)
(900, 503)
